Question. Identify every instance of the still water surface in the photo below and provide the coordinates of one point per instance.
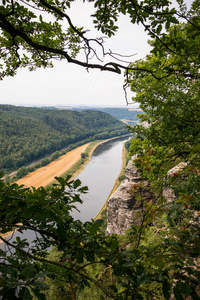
(99, 175)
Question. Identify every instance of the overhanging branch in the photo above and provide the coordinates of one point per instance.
(54, 263)
(58, 52)
(7, 26)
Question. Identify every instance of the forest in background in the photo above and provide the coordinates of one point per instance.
(127, 114)
(28, 134)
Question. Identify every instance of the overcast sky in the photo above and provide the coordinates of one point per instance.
(68, 84)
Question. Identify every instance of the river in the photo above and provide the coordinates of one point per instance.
(99, 175)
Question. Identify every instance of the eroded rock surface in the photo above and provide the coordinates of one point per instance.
(124, 206)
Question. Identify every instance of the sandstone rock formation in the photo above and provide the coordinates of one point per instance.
(123, 207)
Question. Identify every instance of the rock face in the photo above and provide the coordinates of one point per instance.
(124, 206)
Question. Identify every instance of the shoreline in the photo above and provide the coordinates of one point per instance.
(116, 184)
(93, 149)
(44, 176)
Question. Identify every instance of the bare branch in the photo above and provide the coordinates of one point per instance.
(90, 51)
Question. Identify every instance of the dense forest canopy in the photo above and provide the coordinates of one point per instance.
(28, 134)
(160, 257)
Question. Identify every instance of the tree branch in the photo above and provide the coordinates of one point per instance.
(60, 265)
(12, 11)
(7, 26)
(59, 52)
(151, 32)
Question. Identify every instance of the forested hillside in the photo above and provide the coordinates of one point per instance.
(126, 114)
(28, 134)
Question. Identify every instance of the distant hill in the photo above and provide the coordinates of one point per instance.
(127, 115)
(28, 134)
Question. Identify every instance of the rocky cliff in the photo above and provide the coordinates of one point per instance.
(125, 205)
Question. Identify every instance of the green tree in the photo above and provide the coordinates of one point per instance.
(139, 265)
(85, 255)
(47, 213)
(23, 171)
(7, 178)
(29, 39)
(169, 98)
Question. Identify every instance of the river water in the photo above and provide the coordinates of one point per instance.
(99, 175)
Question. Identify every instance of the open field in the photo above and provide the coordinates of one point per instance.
(46, 174)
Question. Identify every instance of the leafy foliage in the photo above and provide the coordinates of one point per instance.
(148, 261)
(169, 99)
(47, 213)
(35, 33)
(171, 104)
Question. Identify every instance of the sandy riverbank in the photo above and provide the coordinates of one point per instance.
(45, 175)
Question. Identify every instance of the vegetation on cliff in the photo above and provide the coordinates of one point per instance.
(169, 98)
